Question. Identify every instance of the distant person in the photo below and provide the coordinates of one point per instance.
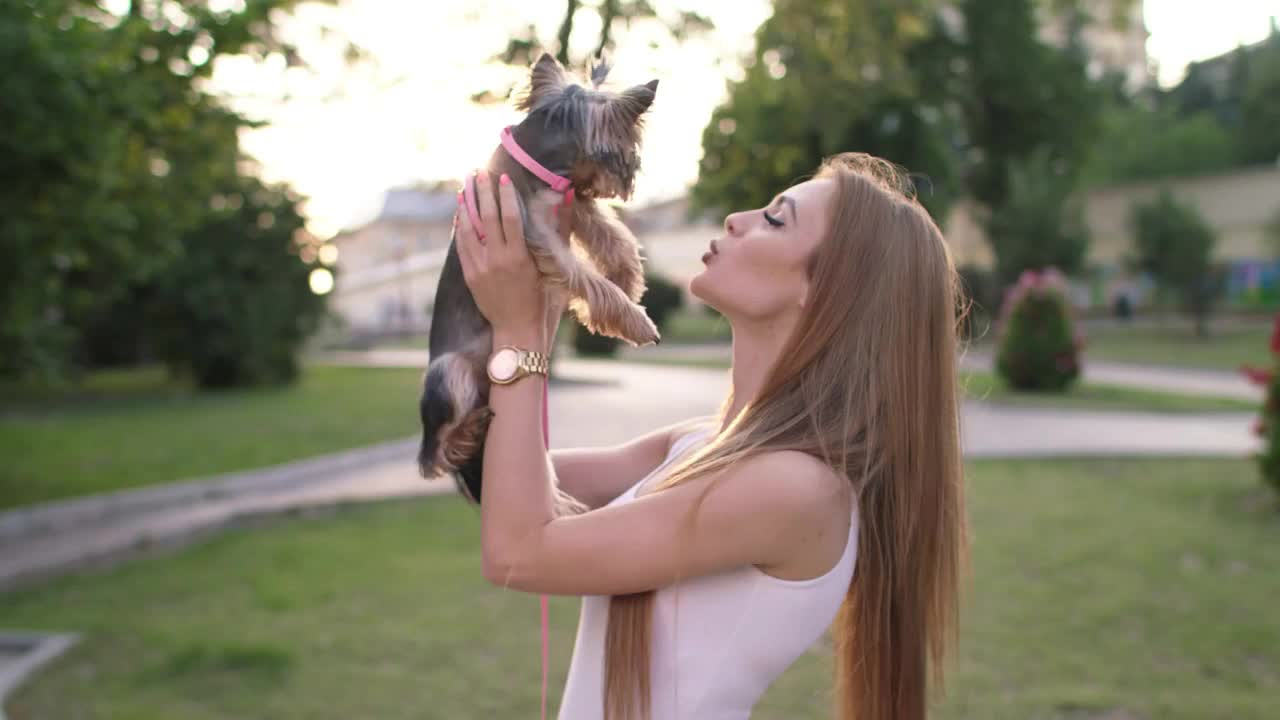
(1123, 308)
(712, 553)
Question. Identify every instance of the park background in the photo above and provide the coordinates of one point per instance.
(223, 222)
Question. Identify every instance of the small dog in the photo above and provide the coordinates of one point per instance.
(592, 137)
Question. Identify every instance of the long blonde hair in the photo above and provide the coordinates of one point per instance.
(866, 383)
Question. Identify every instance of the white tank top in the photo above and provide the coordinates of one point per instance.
(731, 636)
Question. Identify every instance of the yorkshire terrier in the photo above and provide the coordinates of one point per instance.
(592, 137)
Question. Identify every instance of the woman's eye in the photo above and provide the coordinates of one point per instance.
(772, 220)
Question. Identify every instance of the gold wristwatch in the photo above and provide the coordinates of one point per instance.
(509, 363)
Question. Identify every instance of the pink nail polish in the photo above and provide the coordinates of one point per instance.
(504, 179)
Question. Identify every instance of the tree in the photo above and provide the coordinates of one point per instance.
(1039, 225)
(1174, 243)
(1141, 143)
(114, 154)
(833, 75)
(1273, 234)
(236, 305)
(1260, 105)
(1031, 114)
(523, 48)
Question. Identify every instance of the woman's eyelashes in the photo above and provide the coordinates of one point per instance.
(772, 220)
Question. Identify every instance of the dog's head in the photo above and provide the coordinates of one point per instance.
(589, 135)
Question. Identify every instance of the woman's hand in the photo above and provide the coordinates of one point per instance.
(499, 269)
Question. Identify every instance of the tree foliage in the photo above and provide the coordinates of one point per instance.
(1260, 105)
(964, 95)
(1143, 143)
(524, 47)
(112, 155)
(1175, 244)
(1040, 225)
(833, 75)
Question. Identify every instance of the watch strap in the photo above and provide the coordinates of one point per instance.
(533, 361)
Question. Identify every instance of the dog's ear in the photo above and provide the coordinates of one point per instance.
(545, 81)
(634, 101)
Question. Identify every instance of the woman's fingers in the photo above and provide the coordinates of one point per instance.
(465, 241)
(488, 213)
(512, 225)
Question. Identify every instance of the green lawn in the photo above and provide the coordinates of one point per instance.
(1100, 588)
(695, 325)
(131, 428)
(1227, 347)
(988, 387)
(1169, 342)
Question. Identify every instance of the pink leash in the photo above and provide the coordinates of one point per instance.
(559, 184)
(546, 440)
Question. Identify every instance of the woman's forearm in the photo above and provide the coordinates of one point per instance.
(517, 501)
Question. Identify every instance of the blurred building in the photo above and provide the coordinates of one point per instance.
(388, 268)
(672, 239)
(1237, 205)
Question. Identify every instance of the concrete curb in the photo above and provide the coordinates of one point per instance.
(37, 649)
(154, 541)
(53, 517)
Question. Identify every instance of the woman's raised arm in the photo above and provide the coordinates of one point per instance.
(597, 475)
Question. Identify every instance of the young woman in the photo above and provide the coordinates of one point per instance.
(711, 554)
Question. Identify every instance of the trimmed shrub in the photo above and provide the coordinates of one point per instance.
(1039, 348)
(588, 344)
(661, 298)
(1267, 426)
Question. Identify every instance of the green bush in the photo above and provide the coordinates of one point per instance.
(1267, 425)
(588, 344)
(661, 298)
(1039, 349)
(236, 306)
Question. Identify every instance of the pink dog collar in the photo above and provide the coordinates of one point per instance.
(558, 183)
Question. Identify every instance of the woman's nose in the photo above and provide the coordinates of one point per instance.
(729, 226)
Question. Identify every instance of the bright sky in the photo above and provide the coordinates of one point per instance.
(409, 118)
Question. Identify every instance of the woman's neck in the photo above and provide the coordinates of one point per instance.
(755, 348)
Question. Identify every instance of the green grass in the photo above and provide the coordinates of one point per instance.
(1141, 588)
(1174, 343)
(131, 428)
(987, 387)
(1227, 347)
(695, 325)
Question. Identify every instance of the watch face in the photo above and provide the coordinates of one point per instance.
(503, 364)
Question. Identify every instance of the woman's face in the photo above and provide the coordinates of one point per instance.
(756, 270)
